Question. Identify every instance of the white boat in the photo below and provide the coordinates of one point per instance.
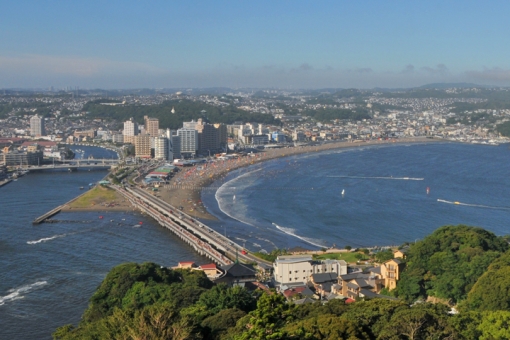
(343, 192)
(234, 198)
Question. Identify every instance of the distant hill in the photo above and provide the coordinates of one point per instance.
(451, 85)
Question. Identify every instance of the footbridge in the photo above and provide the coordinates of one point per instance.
(202, 238)
(74, 164)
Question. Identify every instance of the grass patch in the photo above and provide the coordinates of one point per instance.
(95, 196)
(348, 257)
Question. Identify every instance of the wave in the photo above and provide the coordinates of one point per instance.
(390, 178)
(290, 231)
(227, 186)
(46, 239)
(16, 293)
(473, 205)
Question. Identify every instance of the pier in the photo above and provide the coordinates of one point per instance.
(49, 214)
(202, 238)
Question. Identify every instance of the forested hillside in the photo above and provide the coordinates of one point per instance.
(185, 110)
(463, 264)
(447, 263)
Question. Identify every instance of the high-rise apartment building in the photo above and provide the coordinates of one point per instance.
(37, 126)
(210, 137)
(176, 146)
(189, 141)
(222, 134)
(151, 126)
(130, 130)
(161, 148)
(142, 146)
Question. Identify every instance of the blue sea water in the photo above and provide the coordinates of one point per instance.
(298, 201)
(48, 272)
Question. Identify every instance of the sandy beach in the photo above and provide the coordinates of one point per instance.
(185, 187)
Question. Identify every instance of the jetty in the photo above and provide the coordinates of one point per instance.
(49, 214)
(203, 239)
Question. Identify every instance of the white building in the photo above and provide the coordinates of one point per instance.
(299, 268)
(130, 130)
(161, 148)
(37, 126)
(189, 141)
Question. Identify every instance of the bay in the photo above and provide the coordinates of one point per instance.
(48, 272)
(298, 201)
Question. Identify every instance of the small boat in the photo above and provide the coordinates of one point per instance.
(428, 190)
(81, 188)
(343, 192)
(456, 202)
(234, 198)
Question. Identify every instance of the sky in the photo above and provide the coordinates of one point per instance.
(261, 44)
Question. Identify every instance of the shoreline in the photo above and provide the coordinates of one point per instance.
(185, 188)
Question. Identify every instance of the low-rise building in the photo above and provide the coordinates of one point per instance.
(299, 268)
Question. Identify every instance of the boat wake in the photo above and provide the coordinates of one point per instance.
(46, 239)
(17, 293)
(292, 232)
(473, 205)
(390, 178)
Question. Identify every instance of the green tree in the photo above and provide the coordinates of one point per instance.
(223, 297)
(267, 320)
(217, 325)
(495, 325)
(492, 290)
(383, 256)
(447, 263)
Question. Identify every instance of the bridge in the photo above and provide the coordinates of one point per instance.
(202, 238)
(74, 164)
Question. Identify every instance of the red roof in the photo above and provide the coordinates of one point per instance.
(293, 291)
(208, 266)
(349, 300)
(41, 143)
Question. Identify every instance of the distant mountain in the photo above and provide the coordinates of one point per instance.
(451, 85)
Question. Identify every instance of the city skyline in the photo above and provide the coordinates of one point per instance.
(283, 45)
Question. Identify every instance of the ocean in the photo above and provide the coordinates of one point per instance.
(49, 271)
(298, 202)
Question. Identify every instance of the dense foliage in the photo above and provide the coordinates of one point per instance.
(492, 290)
(447, 263)
(504, 128)
(329, 114)
(151, 302)
(185, 110)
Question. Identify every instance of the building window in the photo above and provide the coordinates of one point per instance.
(290, 279)
(290, 271)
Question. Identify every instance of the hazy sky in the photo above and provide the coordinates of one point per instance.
(284, 44)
